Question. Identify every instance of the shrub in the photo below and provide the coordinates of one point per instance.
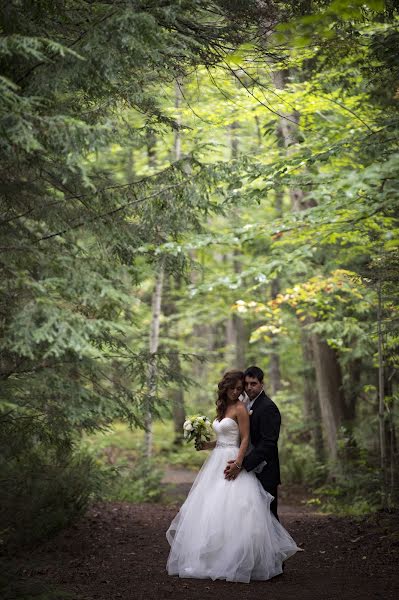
(355, 488)
(41, 494)
(44, 482)
(140, 482)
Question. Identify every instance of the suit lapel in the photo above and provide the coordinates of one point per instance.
(259, 400)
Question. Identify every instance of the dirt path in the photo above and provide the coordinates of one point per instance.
(176, 484)
(118, 551)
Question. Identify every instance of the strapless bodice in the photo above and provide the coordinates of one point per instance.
(227, 433)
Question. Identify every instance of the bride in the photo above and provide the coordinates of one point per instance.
(225, 529)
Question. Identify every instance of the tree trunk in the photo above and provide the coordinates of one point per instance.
(381, 398)
(330, 388)
(130, 171)
(328, 372)
(234, 139)
(393, 452)
(206, 334)
(274, 362)
(152, 371)
(172, 333)
(178, 409)
(289, 129)
(177, 137)
(352, 394)
(311, 400)
(236, 336)
(151, 148)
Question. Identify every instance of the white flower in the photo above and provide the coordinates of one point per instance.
(196, 427)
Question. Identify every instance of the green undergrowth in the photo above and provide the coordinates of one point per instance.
(355, 490)
(121, 445)
(13, 587)
(135, 482)
(43, 492)
(127, 474)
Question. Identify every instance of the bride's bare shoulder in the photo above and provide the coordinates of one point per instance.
(241, 408)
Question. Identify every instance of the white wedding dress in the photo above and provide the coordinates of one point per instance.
(225, 529)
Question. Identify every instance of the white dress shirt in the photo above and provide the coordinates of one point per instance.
(251, 402)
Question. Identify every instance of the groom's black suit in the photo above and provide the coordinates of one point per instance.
(265, 423)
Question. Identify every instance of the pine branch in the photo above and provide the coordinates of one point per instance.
(108, 213)
(71, 45)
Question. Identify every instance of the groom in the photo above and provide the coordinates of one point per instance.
(265, 420)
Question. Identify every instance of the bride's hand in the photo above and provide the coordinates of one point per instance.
(232, 470)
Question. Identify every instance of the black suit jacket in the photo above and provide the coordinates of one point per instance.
(265, 423)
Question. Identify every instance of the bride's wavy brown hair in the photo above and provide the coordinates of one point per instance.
(229, 381)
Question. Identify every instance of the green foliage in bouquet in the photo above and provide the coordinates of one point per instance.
(197, 427)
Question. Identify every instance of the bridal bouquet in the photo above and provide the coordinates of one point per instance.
(196, 428)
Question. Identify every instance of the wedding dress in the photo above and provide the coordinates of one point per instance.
(224, 529)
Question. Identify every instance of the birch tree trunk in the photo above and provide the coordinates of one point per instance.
(178, 409)
(236, 335)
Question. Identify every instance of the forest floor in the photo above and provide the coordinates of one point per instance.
(118, 551)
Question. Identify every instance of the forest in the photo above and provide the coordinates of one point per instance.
(189, 187)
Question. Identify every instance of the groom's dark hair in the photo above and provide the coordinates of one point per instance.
(254, 372)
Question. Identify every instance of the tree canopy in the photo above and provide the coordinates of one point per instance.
(248, 152)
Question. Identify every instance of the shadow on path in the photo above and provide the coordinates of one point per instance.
(118, 551)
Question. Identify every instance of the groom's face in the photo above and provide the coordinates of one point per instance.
(253, 386)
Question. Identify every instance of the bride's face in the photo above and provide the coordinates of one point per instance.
(234, 392)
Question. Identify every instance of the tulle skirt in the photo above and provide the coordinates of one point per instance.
(225, 530)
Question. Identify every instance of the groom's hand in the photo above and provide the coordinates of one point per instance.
(231, 471)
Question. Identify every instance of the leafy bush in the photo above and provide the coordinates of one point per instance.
(297, 456)
(121, 444)
(42, 492)
(186, 456)
(14, 587)
(355, 487)
(299, 465)
(138, 483)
